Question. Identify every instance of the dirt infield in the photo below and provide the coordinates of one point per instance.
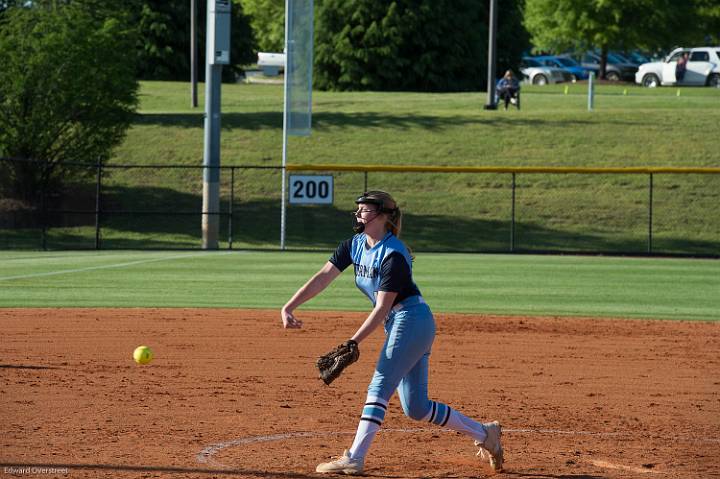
(232, 394)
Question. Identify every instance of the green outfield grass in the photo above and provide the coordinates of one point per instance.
(500, 284)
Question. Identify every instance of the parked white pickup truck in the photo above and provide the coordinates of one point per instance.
(271, 63)
(703, 69)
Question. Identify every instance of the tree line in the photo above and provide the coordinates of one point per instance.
(70, 68)
(424, 45)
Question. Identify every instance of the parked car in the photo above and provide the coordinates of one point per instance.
(623, 58)
(616, 68)
(564, 63)
(539, 74)
(271, 64)
(637, 57)
(703, 68)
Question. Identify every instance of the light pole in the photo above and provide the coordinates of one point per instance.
(193, 54)
(217, 54)
(492, 49)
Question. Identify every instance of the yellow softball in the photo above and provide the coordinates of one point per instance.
(142, 355)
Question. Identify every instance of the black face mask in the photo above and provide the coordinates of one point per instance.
(357, 227)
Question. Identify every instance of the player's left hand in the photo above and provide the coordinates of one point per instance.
(289, 320)
(330, 365)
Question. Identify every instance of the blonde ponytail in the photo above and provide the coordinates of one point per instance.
(394, 222)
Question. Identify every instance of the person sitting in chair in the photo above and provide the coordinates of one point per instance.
(508, 89)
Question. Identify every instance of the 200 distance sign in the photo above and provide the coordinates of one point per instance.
(311, 189)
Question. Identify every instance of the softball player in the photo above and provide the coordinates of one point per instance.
(383, 272)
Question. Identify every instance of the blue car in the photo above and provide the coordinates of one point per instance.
(578, 71)
(616, 68)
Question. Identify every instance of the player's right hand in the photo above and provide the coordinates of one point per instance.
(289, 320)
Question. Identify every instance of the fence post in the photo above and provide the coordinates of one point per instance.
(43, 215)
(230, 207)
(98, 191)
(650, 215)
(512, 217)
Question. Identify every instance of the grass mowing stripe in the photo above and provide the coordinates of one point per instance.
(109, 266)
(573, 285)
(44, 258)
(685, 289)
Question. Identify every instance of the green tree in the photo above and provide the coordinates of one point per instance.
(513, 39)
(164, 41)
(67, 92)
(707, 31)
(426, 45)
(5, 4)
(267, 19)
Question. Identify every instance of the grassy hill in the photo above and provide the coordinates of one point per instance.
(630, 126)
(644, 127)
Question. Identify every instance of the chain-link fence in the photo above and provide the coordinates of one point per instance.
(608, 211)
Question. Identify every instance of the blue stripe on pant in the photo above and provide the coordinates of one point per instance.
(439, 413)
(403, 361)
(374, 412)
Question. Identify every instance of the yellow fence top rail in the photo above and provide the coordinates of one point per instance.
(499, 169)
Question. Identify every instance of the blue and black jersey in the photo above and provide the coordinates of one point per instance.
(387, 266)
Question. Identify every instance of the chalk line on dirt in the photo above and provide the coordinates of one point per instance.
(206, 456)
(620, 467)
(108, 266)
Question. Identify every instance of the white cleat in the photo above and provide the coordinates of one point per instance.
(491, 448)
(342, 465)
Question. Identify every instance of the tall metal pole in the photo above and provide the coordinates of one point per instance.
(286, 112)
(492, 50)
(193, 54)
(211, 150)
(211, 158)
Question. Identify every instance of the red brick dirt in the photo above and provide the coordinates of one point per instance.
(232, 394)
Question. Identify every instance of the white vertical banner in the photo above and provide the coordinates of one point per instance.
(299, 66)
(297, 110)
